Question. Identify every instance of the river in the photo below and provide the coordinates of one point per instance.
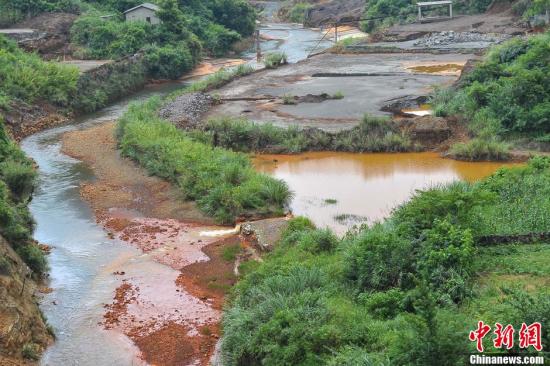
(84, 256)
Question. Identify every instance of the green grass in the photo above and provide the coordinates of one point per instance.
(373, 134)
(222, 183)
(274, 60)
(297, 13)
(27, 78)
(338, 95)
(229, 253)
(479, 149)
(400, 292)
(217, 79)
(30, 351)
(331, 201)
(289, 99)
(17, 181)
(505, 95)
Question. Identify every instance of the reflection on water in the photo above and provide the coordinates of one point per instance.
(366, 187)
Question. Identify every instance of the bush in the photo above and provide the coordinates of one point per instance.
(298, 12)
(373, 134)
(378, 259)
(479, 149)
(4, 265)
(30, 351)
(219, 39)
(445, 263)
(20, 178)
(274, 60)
(168, 62)
(507, 93)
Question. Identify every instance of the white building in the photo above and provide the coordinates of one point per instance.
(145, 12)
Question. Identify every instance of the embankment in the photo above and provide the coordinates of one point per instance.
(95, 89)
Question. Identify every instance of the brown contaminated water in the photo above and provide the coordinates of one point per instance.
(366, 187)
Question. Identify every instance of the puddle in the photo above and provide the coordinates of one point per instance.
(365, 187)
(422, 110)
(437, 68)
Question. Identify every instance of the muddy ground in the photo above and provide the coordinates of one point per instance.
(170, 296)
(499, 18)
(367, 82)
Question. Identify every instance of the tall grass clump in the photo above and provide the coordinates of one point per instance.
(275, 59)
(479, 149)
(218, 79)
(223, 183)
(373, 134)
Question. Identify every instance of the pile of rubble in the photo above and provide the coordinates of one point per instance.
(187, 109)
(450, 37)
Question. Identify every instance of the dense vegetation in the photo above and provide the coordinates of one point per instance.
(223, 183)
(172, 47)
(25, 77)
(373, 134)
(17, 179)
(508, 94)
(188, 29)
(402, 292)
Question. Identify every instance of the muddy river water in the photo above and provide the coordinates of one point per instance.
(84, 257)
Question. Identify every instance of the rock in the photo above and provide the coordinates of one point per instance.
(267, 232)
(451, 37)
(187, 109)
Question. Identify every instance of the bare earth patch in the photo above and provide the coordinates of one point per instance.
(171, 293)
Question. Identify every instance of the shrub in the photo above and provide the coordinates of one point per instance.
(378, 259)
(274, 60)
(30, 351)
(298, 12)
(168, 62)
(509, 92)
(373, 134)
(20, 178)
(4, 265)
(219, 39)
(455, 202)
(33, 256)
(445, 261)
(338, 95)
(384, 305)
(288, 99)
(478, 149)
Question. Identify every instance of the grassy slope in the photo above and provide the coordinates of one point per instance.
(222, 182)
(504, 98)
(404, 292)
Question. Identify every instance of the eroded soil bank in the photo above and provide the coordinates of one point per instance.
(169, 295)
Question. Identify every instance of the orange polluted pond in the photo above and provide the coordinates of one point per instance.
(340, 190)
